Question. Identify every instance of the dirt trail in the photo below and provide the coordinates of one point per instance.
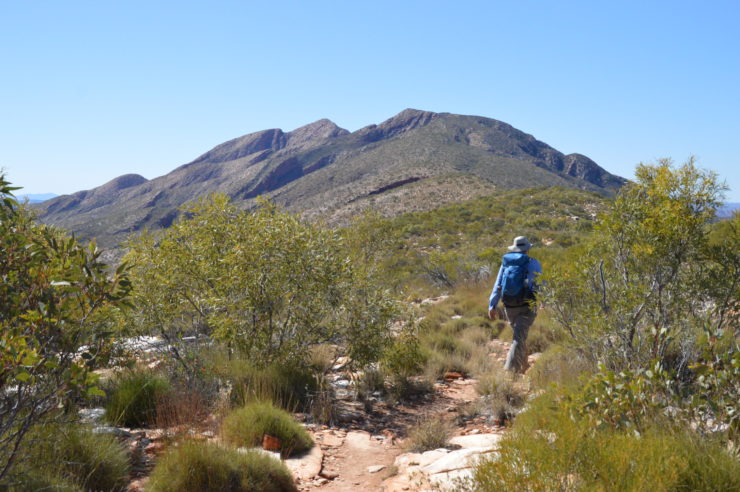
(362, 459)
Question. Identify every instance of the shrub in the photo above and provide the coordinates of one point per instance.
(287, 386)
(405, 388)
(322, 357)
(429, 433)
(542, 333)
(72, 457)
(321, 405)
(500, 395)
(295, 287)
(58, 303)
(475, 336)
(438, 363)
(499, 384)
(94, 461)
(247, 426)
(370, 381)
(404, 357)
(549, 450)
(208, 467)
(132, 400)
(181, 407)
(557, 365)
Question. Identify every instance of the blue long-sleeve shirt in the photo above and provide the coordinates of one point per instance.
(533, 270)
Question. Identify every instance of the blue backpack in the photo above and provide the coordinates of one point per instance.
(514, 289)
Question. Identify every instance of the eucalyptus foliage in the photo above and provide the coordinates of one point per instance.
(263, 282)
(650, 279)
(56, 302)
(654, 301)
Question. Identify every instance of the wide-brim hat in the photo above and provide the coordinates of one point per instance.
(521, 244)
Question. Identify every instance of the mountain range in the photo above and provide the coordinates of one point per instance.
(416, 160)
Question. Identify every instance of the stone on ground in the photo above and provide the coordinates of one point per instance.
(307, 465)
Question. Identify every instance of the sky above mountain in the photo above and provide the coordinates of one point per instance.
(94, 90)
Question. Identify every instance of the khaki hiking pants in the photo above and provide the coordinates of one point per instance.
(520, 318)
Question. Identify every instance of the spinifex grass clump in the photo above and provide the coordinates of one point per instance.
(247, 426)
(287, 385)
(501, 395)
(71, 457)
(429, 433)
(208, 467)
(132, 400)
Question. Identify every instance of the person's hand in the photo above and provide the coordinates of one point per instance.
(492, 314)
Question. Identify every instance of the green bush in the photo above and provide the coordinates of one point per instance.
(132, 399)
(207, 467)
(549, 450)
(403, 358)
(295, 287)
(59, 304)
(429, 433)
(72, 457)
(246, 427)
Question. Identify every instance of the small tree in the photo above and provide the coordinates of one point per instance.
(56, 298)
(650, 278)
(263, 282)
(654, 299)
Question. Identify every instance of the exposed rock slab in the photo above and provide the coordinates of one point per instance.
(454, 460)
(307, 465)
(453, 480)
(489, 441)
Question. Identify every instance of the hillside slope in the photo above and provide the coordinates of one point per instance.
(416, 160)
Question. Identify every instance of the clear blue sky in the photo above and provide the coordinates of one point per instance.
(93, 90)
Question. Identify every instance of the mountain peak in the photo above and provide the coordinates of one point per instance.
(406, 120)
(313, 132)
(122, 182)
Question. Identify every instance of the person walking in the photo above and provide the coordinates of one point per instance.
(516, 286)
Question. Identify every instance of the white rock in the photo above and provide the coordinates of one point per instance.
(430, 457)
(487, 441)
(453, 480)
(407, 459)
(306, 465)
(454, 460)
(375, 468)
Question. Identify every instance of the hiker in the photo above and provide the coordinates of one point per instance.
(515, 286)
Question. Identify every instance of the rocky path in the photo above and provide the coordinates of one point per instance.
(373, 457)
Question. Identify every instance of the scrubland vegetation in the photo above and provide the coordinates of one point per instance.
(636, 387)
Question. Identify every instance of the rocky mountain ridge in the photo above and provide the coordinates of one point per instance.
(414, 160)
